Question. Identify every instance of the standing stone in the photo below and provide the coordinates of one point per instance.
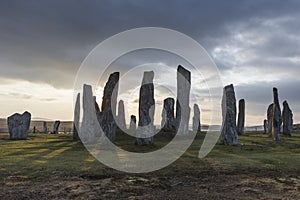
(18, 125)
(145, 129)
(168, 120)
(274, 117)
(266, 128)
(132, 125)
(196, 119)
(277, 116)
(45, 127)
(121, 115)
(241, 117)
(109, 105)
(287, 119)
(270, 113)
(56, 127)
(76, 118)
(183, 100)
(90, 128)
(229, 133)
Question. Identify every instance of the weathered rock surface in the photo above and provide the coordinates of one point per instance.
(266, 127)
(270, 113)
(18, 125)
(56, 127)
(277, 117)
(241, 117)
(183, 100)
(274, 117)
(109, 105)
(132, 125)
(121, 115)
(76, 118)
(145, 129)
(229, 134)
(196, 119)
(287, 119)
(45, 128)
(168, 119)
(90, 128)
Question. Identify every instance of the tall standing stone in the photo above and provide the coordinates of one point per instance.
(132, 125)
(196, 119)
(266, 128)
(270, 114)
(183, 100)
(76, 118)
(90, 128)
(18, 125)
(109, 105)
(45, 128)
(145, 129)
(287, 119)
(121, 115)
(168, 119)
(229, 133)
(241, 117)
(56, 127)
(274, 117)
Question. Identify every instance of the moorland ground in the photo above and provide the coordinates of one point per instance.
(47, 166)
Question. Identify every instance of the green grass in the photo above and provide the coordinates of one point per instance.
(56, 157)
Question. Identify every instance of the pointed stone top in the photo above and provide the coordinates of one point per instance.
(285, 104)
(275, 94)
(229, 87)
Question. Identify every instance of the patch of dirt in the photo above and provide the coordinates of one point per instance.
(134, 187)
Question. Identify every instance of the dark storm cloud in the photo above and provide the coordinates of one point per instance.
(45, 41)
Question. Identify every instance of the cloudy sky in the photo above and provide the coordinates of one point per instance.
(255, 44)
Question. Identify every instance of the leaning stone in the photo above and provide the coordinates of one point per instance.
(18, 125)
(121, 115)
(229, 134)
(183, 100)
(287, 118)
(196, 119)
(76, 118)
(241, 117)
(145, 129)
(168, 120)
(56, 127)
(109, 105)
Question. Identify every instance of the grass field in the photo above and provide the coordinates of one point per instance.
(47, 166)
